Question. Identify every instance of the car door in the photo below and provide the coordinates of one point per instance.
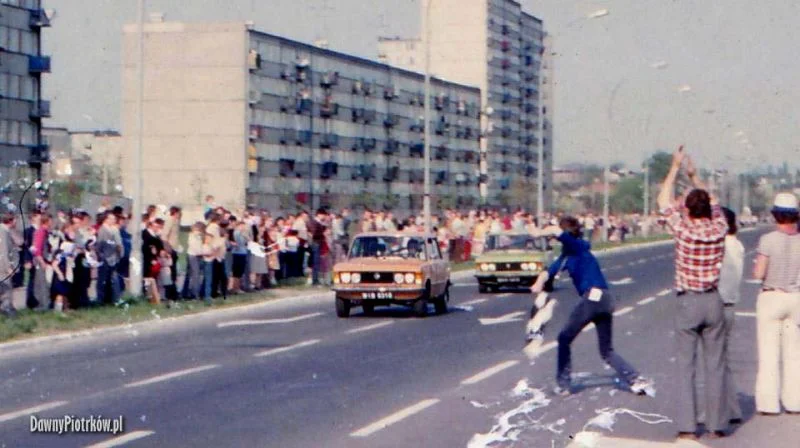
(438, 267)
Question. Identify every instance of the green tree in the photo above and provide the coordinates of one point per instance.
(628, 196)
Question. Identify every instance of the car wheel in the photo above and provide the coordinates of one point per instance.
(483, 289)
(441, 301)
(421, 307)
(368, 308)
(342, 307)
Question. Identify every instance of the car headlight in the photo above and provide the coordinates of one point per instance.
(524, 266)
(409, 277)
(345, 276)
(492, 267)
(484, 267)
(536, 266)
(356, 277)
(399, 278)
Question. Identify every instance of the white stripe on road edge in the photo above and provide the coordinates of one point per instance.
(31, 411)
(122, 440)
(738, 313)
(169, 376)
(473, 302)
(275, 351)
(394, 418)
(369, 327)
(664, 292)
(505, 294)
(504, 319)
(267, 321)
(625, 310)
(491, 371)
(646, 301)
(589, 327)
(622, 281)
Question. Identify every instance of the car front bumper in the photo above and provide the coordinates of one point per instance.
(378, 293)
(507, 278)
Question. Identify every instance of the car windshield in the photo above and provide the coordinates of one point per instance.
(520, 242)
(388, 246)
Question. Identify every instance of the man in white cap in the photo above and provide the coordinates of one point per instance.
(778, 311)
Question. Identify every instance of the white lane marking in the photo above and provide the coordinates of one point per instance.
(491, 371)
(646, 301)
(473, 302)
(394, 418)
(753, 282)
(275, 351)
(369, 327)
(664, 292)
(622, 281)
(169, 376)
(287, 320)
(623, 311)
(746, 313)
(505, 294)
(504, 319)
(642, 261)
(122, 440)
(30, 411)
(588, 328)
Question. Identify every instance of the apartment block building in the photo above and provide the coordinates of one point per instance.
(498, 47)
(254, 118)
(21, 67)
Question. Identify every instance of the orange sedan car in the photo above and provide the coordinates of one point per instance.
(385, 268)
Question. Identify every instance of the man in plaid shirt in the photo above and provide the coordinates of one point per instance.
(699, 229)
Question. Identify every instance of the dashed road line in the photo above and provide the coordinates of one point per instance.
(275, 351)
(171, 375)
(646, 301)
(504, 319)
(664, 292)
(287, 320)
(122, 440)
(623, 311)
(30, 411)
(369, 327)
(746, 313)
(544, 348)
(472, 302)
(394, 418)
(588, 328)
(491, 371)
(505, 294)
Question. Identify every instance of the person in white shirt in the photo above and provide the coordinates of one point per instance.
(730, 282)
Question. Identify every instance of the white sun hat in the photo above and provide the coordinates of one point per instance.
(785, 202)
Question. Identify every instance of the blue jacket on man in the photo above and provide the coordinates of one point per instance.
(577, 259)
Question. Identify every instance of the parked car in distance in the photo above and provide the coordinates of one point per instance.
(512, 259)
(385, 268)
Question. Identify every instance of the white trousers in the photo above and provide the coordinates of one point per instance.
(778, 320)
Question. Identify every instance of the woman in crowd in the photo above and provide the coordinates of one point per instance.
(258, 265)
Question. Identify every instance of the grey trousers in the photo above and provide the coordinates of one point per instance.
(699, 319)
(733, 407)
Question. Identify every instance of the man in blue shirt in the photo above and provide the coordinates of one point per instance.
(596, 305)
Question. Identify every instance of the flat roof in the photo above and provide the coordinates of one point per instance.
(357, 59)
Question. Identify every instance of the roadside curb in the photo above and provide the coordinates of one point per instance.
(6, 347)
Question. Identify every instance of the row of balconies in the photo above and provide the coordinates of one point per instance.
(330, 170)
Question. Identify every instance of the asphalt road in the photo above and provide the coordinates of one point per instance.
(291, 374)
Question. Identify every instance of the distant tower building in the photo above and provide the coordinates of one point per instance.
(494, 45)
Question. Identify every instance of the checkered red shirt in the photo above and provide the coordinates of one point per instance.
(699, 248)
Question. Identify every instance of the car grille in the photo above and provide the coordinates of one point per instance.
(377, 277)
(509, 266)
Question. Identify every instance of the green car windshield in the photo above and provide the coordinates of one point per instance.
(388, 246)
(516, 242)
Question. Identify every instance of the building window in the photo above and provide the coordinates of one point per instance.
(27, 89)
(13, 40)
(13, 133)
(4, 131)
(13, 86)
(27, 44)
(26, 134)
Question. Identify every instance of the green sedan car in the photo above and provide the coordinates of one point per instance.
(512, 260)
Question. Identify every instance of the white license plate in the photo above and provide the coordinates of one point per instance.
(376, 295)
(508, 280)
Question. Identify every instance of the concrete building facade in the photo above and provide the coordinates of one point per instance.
(254, 118)
(21, 67)
(498, 47)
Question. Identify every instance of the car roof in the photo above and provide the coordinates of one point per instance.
(397, 234)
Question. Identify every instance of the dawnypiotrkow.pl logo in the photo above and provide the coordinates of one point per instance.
(72, 424)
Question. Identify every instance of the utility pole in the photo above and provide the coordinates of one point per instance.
(426, 201)
(136, 209)
(647, 187)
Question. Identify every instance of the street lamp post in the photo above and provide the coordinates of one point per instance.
(136, 208)
(647, 188)
(426, 200)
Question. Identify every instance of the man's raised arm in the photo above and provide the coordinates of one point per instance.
(666, 196)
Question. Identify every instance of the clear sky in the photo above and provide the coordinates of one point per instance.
(720, 76)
